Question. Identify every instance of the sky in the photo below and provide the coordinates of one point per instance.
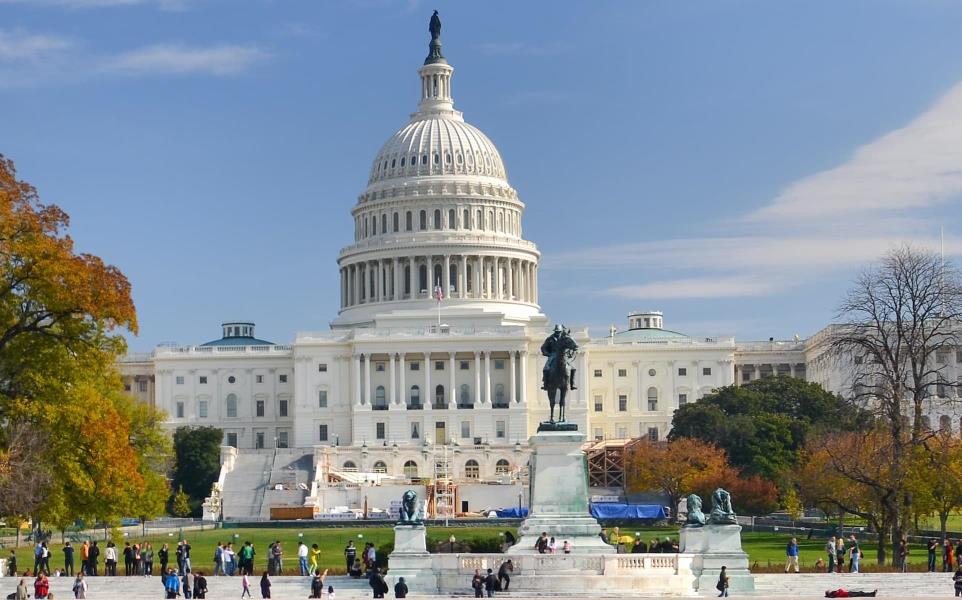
(731, 163)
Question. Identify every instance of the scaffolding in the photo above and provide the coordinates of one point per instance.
(443, 484)
(606, 462)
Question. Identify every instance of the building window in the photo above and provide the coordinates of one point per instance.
(259, 378)
(410, 469)
(622, 432)
(282, 408)
(203, 379)
(499, 400)
(380, 401)
(259, 440)
(682, 371)
(379, 431)
(423, 219)
(322, 399)
(282, 439)
(499, 430)
(465, 429)
(502, 467)
(599, 404)
(408, 221)
(322, 368)
(945, 423)
(283, 378)
(746, 376)
(415, 397)
(322, 432)
(379, 367)
(232, 440)
(380, 467)
(350, 466)
(623, 403)
(231, 379)
(597, 373)
(599, 434)
(439, 397)
(652, 398)
(439, 365)
(415, 366)
(622, 372)
(652, 434)
(941, 357)
(682, 399)
(126, 386)
(179, 380)
(231, 405)
(396, 219)
(180, 410)
(465, 365)
(706, 371)
(499, 364)
(415, 431)
(143, 386)
(940, 390)
(472, 470)
(651, 373)
(202, 409)
(259, 407)
(464, 396)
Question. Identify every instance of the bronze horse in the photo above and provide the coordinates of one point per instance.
(557, 378)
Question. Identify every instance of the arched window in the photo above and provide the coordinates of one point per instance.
(396, 222)
(402, 161)
(499, 395)
(380, 403)
(465, 219)
(479, 222)
(408, 222)
(500, 222)
(423, 278)
(424, 159)
(380, 467)
(464, 397)
(350, 466)
(451, 219)
(502, 467)
(453, 277)
(437, 218)
(383, 224)
(652, 398)
(438, 393)
(926, 423)
(407, 280)
(365, 226)
(415, 396)
(411, 469)
(469, 279)
(945, 423)
(423, 220)
(471, 469)
(231, 405)
(437, 274)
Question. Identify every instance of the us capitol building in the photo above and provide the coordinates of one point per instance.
(399, 390)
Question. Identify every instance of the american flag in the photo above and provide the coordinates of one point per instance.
(438, 292)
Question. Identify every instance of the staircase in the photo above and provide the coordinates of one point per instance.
(293, 470)
(814, 585)
(246, 484)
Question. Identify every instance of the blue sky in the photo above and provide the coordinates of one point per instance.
(733, 163)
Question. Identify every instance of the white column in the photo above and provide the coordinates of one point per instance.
(511, 394)
(510, 278)
(534, 282)
(396, 293)
(498, 280)
(477, 379)
(390, 388)
(524, 377)
(452, 396)
(487, 378)
(367, 380)
(477, 276)
(379, 284)
(356, 392)
(463, 278)
(446, 276)
(412, 275)
(428, 392)
(404, 390)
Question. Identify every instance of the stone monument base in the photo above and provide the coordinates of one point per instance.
(410, 559)
(558, 503)
(715, 546)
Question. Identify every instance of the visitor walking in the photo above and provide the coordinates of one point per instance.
(265, 586)
(85, 557)
(245, 585)
(186, 551)
(542, 544)
(313, 564)
(163, 555)
(477, 584)
(110, 559)
(722, 585)
(350, 553)
(147, 554)
(903, 555)
(187, 581)
(200, 585)
(490, 582)
(840, 553)
(400, 588)
(277, 553)
(378, 584)
(830, 550)
(302, 553)
(791, 551)
(504, 574)
(68, 560)
(219, 559)
(933, 547)
(957, 581)
(330, 592)
(80, 586)
(128, 560)
(171, 584)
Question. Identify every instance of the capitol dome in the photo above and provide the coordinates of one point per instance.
(438, 218)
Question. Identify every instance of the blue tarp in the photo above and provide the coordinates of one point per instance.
(613, 510)
(512, 513)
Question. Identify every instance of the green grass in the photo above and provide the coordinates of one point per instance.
(766, 550)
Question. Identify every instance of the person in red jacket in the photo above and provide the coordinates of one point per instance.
(842, 593)
(41, 587)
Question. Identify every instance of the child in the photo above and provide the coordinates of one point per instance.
(245, 585)
(330, 592)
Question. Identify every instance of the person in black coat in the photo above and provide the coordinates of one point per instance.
(490, 583)
(265, 586)
(639, 547)
(200, 586)
(400, 588)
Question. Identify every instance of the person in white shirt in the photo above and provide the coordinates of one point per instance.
(302, 558)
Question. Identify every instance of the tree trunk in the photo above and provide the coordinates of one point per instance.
(882, 531)
(943, 523)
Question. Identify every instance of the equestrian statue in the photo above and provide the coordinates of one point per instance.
(558, 376)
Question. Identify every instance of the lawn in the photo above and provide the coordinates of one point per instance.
(766, 550)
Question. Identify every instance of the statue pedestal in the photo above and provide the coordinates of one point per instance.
(410, 560)
(558, 501)
(715, 546)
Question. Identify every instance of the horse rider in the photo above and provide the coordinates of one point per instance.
(553, 349)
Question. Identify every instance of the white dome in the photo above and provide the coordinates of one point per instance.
(437, 146)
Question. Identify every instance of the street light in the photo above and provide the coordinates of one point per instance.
(452, 540)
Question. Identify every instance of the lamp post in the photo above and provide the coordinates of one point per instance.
(452, 539)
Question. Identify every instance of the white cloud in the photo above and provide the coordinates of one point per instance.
(915, 166)
(21, 46)
(174, 59)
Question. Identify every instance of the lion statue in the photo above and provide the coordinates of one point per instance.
(722, 512)
(409, 514)
(696, 518)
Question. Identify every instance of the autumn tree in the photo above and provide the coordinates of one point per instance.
(197, 462)
(899, 317)
(674, 468)
(935, 477)
(61, 318)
